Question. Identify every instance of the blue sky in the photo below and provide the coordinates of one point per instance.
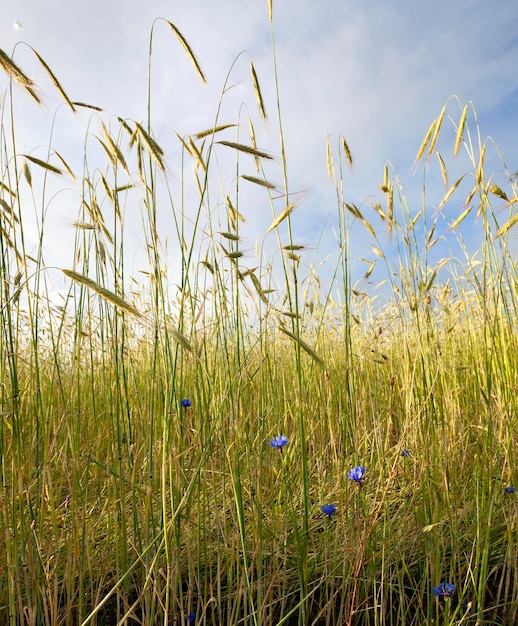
(379, 72)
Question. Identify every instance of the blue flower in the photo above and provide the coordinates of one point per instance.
(357, 474)
(279, 442)
(509, 489)
(444, 590)
(191, 617)
(405, 452)
(329, 509)
(185, 402)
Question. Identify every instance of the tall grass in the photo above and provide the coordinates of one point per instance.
(123, 504)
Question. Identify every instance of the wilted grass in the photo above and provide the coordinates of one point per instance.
(122, 505)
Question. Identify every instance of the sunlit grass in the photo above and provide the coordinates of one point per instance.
(139, 480)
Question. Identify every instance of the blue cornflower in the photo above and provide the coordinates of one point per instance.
(329, 509)
(279, 442)
(509, 489)
(405, 452)
(191, 617)
(444, 590)
(185, 402)
(357, 474)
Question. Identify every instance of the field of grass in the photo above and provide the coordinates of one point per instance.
(167, 443)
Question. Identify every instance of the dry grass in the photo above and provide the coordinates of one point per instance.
(123, 504)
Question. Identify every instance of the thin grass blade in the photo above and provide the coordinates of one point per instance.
(43, 164)
(281, 217)
(450, 192)
(444, 172)
(306, 347)
(212, 131)
(154, 149)
(106, 294)
(347, 151)
(460, 130)
(508, 225)
(461, 217)
(259, 181)
(258, 93)
(114, 152)
(187, 49)
(10, 67)
(55, 81)
(424, 145)
(247, 149)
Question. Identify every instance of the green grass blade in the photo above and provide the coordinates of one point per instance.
(106, 294)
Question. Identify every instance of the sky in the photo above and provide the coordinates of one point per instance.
(376, 71)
